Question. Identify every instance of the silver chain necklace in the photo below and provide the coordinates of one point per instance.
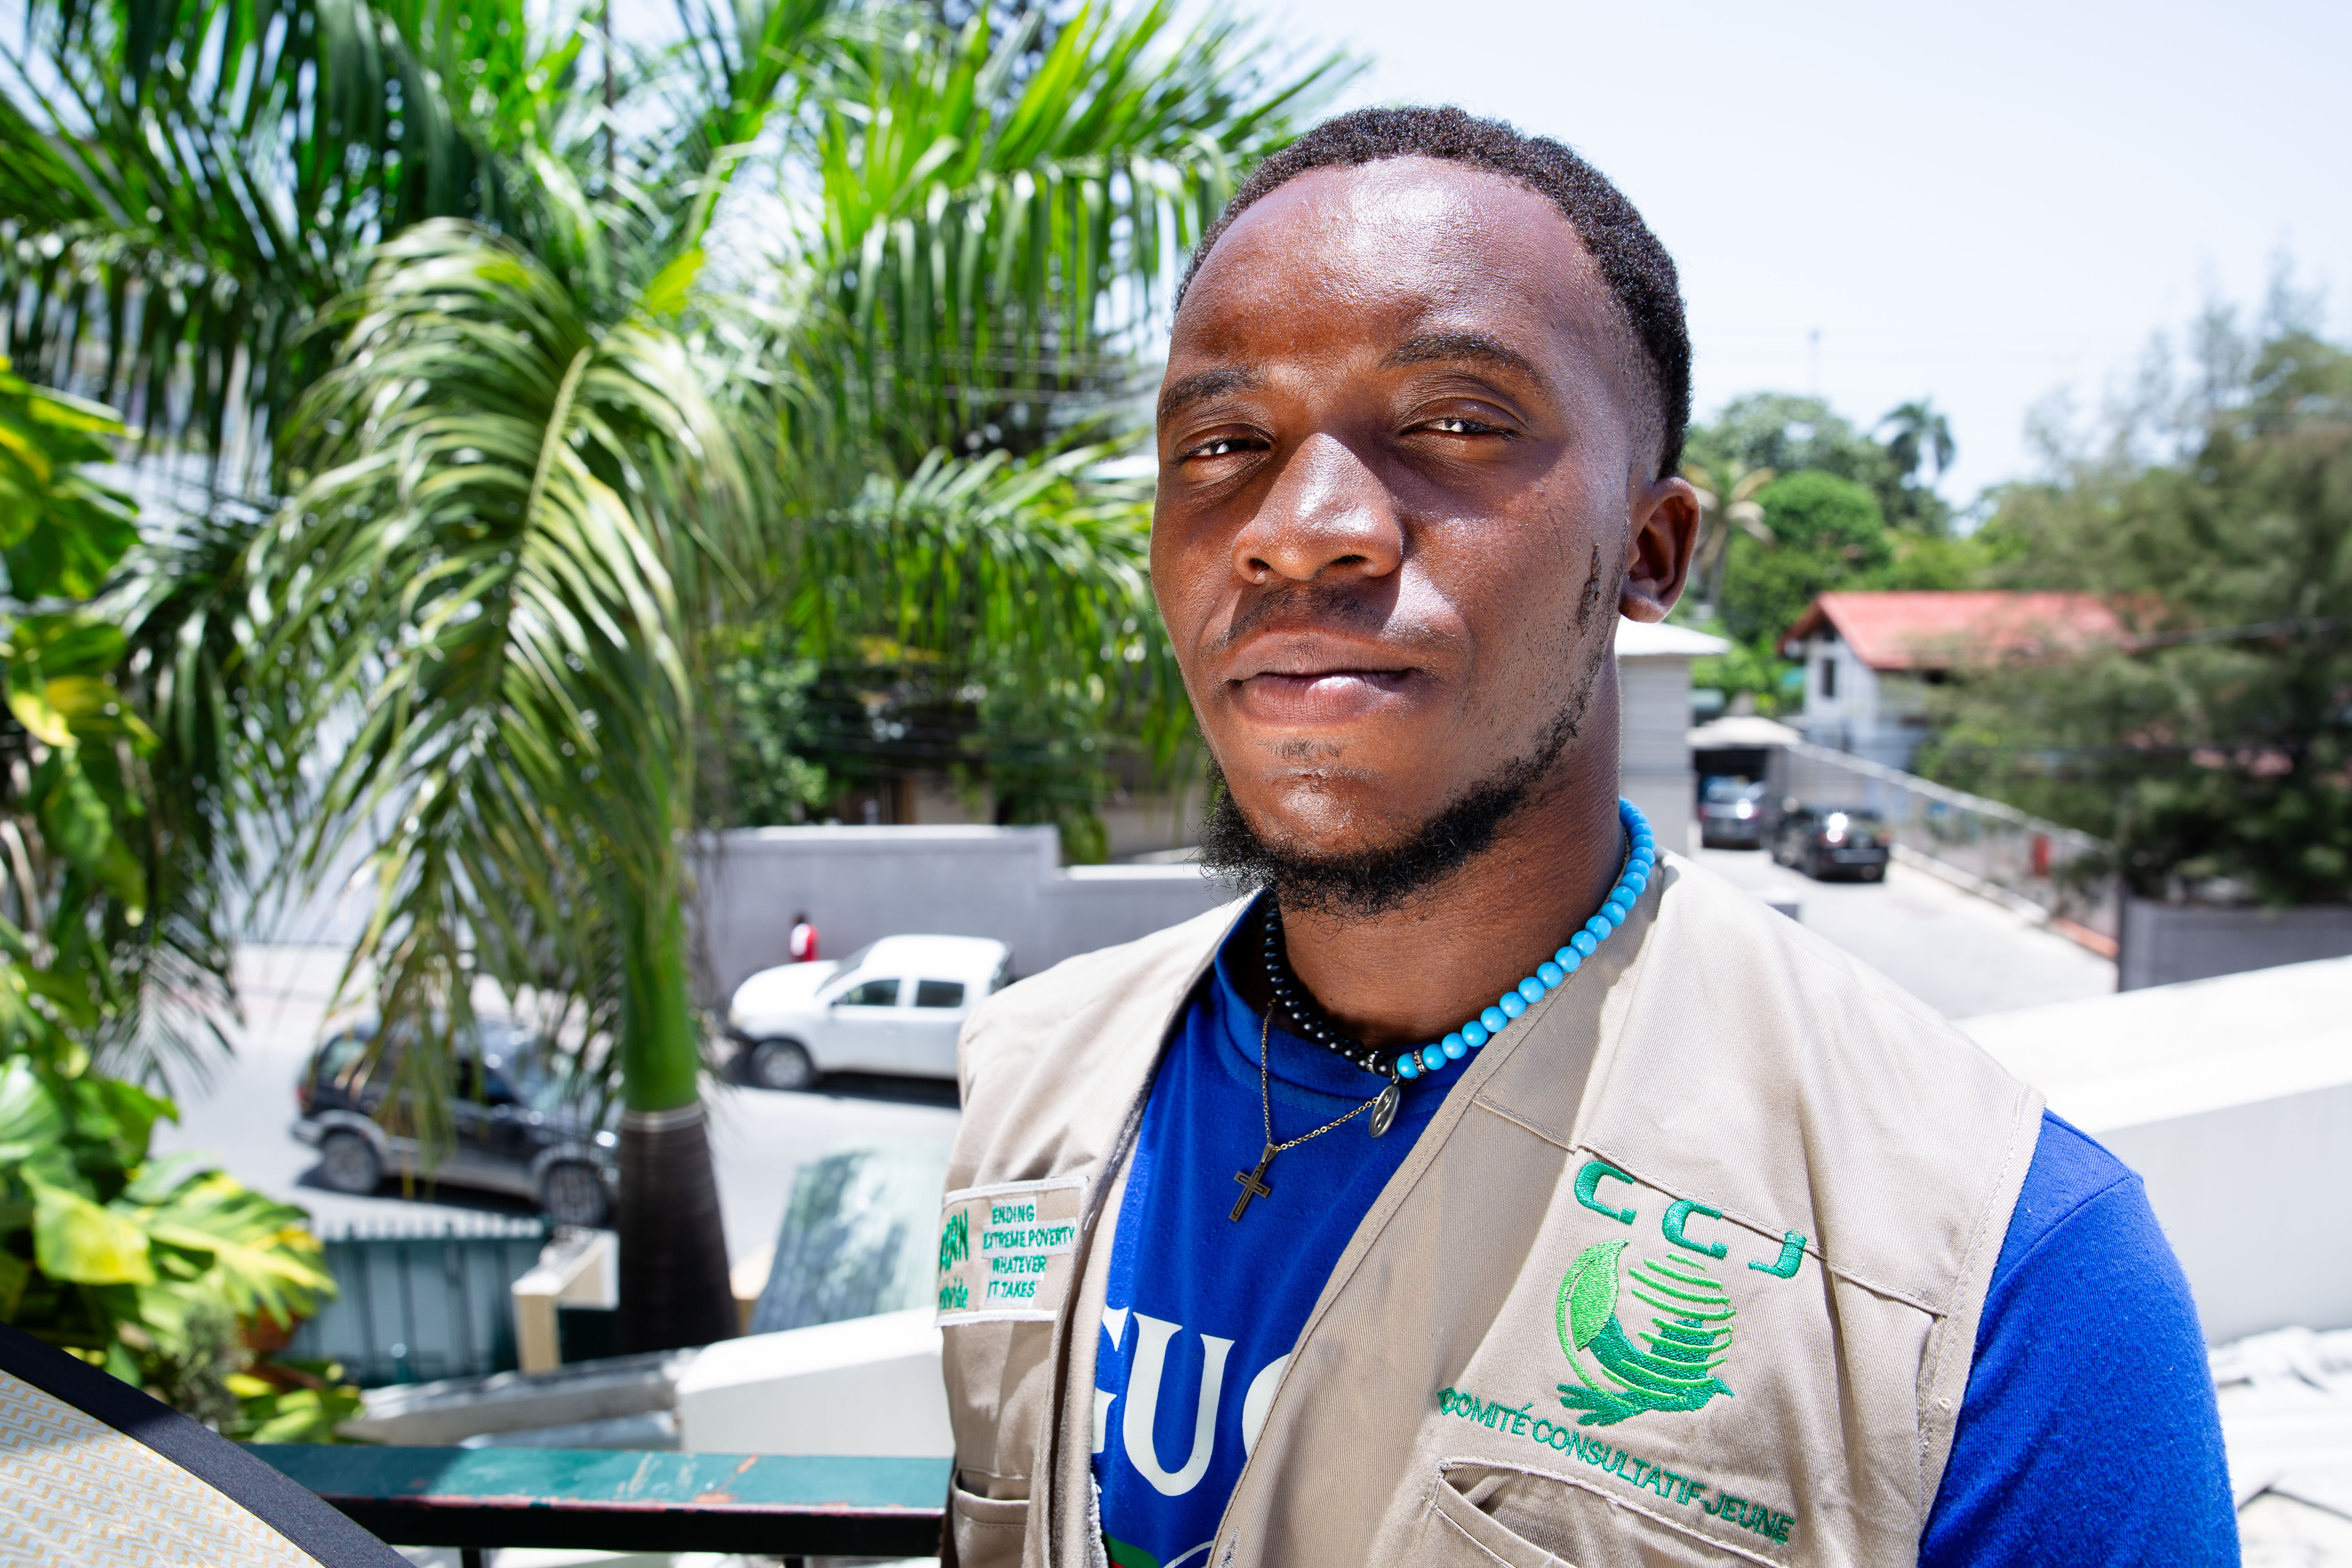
(1254, 1183)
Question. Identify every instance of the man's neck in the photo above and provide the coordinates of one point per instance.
(1406, 977)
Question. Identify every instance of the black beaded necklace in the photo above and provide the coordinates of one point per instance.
(1307, 1015)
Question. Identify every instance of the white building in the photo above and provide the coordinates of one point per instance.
(1871, 658)
(1653, 746)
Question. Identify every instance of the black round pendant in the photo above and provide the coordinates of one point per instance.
(1384, 1109)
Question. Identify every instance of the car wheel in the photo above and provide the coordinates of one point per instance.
(781, 1063)
(349, 1164)
(572, 1194)
(1873, 873)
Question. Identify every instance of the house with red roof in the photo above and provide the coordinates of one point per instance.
(1871, 659)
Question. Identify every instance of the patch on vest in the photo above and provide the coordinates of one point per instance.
(1006, 1251)
(1691, 1312)
(1647, 1328)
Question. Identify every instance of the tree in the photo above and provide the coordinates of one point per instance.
(147, 1267)
(1821, 532)
(534, 430)
(1727, 504)
(2211, 744)
(1922, 438)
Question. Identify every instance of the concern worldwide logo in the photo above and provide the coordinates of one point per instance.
(1690, 1311)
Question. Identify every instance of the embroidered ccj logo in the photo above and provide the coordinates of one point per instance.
(1615, 1379)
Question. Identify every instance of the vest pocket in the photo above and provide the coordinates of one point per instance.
(1459, 1529)
(987, 1532)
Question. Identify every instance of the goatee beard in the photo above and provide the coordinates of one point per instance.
(1373, 882)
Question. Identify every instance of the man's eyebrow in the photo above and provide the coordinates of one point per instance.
(1463, 345)
(1206, 385)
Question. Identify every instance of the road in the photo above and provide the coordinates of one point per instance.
(759, 1139)
(1961, 955)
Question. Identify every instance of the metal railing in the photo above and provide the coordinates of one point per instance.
(416, 1306)
(1991, 847)
(475, 1499)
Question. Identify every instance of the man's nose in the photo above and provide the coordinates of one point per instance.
(1327, 512)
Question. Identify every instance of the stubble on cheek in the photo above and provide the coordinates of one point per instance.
(1591, 599)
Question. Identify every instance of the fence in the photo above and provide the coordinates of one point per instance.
(1981, 844)
(416, 1305)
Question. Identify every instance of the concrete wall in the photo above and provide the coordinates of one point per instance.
(2247, 1196)
(2166, 943)
(867, 1386)
(861, 883)
(2232, 1098)
(1653, 746)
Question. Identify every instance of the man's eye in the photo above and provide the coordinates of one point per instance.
(1455, 425)
(1223, 446)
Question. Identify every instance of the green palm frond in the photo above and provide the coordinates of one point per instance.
(188, 185)
(1020, 573)
(510, 512)
(988, 248)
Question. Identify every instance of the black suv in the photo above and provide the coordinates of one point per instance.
(1825, 841)
(515, 1131)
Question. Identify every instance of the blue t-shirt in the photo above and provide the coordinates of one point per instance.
(2089, 1385)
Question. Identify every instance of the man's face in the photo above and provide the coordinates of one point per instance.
(1404, 494)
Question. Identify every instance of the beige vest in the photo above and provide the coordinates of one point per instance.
(1687, 1269)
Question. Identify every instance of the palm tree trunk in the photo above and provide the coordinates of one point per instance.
(674, 1284)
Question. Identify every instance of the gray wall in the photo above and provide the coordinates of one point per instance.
(1654, 743)
(2166, 942)
(2246, 1195)
(861, 883)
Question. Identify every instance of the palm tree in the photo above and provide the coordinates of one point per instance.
(1922, 438)
(1726, 499)
(525, 449)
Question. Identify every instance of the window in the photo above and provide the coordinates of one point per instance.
(1829, 677)
(871, 993)
(939, 993)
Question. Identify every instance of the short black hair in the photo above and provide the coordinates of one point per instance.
(1636, 268)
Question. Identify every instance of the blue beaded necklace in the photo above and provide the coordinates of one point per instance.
(1640, 856)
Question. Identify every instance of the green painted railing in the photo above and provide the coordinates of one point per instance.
(624, 1501)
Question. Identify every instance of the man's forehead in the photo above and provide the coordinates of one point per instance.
(1429, 253)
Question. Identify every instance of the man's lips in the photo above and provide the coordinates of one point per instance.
(1309, 699)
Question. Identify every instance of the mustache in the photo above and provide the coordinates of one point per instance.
(1312, 606)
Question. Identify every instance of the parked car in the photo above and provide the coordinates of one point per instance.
(517, 1130)
(1732, 813)
(893, 1007)
(1825, 841)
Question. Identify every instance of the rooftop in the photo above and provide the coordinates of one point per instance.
(1937, 630)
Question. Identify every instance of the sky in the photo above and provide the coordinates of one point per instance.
(1980, 204)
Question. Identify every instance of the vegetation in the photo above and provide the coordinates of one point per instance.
(2213, 748)
(161, 1270)
(1812, 504)
(532, 385)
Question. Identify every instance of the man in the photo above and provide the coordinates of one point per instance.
(1494, 1187)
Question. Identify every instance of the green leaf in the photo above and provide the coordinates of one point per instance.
(157, 1180)
(77, 1240)
(15, 1274)
(667, 294)
(263, 1256)
(74, 819)
(30, 1116)
(1587, 1294)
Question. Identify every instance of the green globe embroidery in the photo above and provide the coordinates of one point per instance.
(1694, 1315)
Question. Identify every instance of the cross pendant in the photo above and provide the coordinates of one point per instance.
(1254, 1183)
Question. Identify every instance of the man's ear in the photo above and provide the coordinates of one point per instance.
(1663, 534)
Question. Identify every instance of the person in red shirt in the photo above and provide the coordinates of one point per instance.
(802, 944)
